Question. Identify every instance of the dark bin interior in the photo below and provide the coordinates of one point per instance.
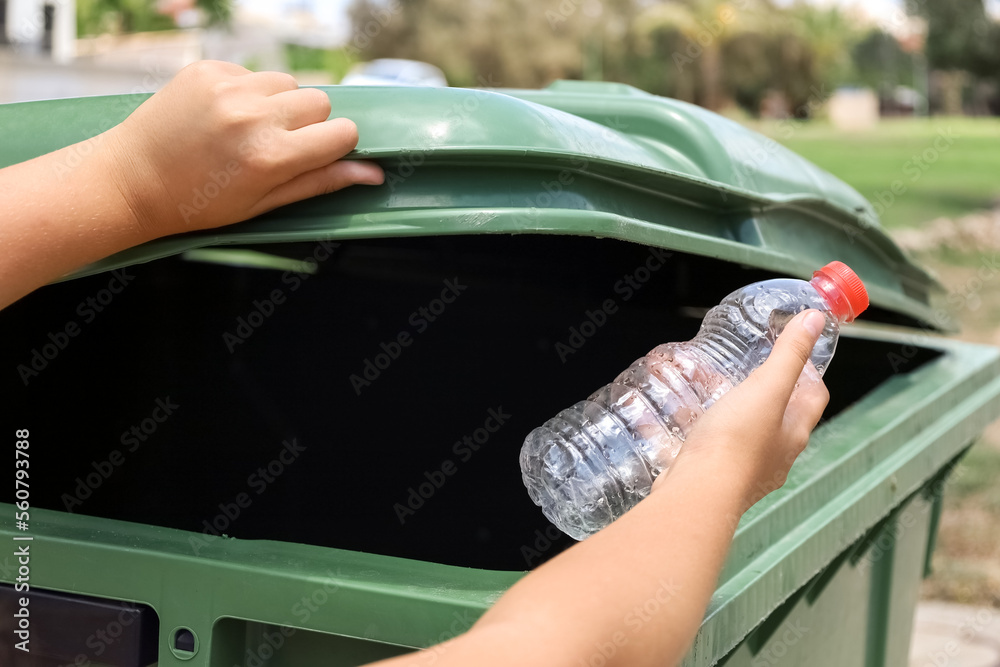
(366, 456)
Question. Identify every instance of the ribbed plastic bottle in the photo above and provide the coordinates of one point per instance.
(594, 461)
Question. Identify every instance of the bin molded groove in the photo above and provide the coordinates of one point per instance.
(819, 583)
(881, 590)
(934, 492)
(763, 632)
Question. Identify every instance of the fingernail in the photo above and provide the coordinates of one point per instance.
(814, 322)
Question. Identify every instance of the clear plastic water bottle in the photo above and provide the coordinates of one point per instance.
(594, 461)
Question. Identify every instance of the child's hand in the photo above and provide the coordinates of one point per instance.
(756, 431)
(220, 144)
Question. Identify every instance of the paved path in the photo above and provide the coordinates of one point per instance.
(23, 79)
(955, 635)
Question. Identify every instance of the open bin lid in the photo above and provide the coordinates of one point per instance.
(585, 158)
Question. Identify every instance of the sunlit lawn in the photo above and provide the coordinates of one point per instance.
(963, 178)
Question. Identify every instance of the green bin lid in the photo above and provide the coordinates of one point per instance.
(585, 158)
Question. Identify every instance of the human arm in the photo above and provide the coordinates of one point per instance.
(258, 139)
(636, 592)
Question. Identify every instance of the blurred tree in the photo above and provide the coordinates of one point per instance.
(746, 74)
(881, 63)
(686, 41)
(959, 35)
(216, 12)
(475, 42)
(830, 37)
(95, 17)
(304, 58)
(711, 52)
(961, 41)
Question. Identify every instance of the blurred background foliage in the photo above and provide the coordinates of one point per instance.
(710, 52)
(95, 17)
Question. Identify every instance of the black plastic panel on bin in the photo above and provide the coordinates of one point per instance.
(77, 630)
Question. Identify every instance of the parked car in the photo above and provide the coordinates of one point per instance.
(394, 72)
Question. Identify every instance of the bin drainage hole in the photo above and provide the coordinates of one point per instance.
(184, 640)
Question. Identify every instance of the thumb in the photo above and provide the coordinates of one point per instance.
(791, 352)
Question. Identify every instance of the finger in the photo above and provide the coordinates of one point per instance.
(806, 405)
(219, 67)
(790, 354)
(809, 376)
(301, 107)
(322, 181)
(271, 83)
(319, 144)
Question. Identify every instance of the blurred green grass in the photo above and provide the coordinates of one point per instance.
(963, 178)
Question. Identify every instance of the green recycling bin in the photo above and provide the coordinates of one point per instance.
(294, 441)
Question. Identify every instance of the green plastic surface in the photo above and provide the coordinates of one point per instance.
(577, 158)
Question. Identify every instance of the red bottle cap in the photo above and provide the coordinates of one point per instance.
(848, 282)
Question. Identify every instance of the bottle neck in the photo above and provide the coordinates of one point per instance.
(840, 306)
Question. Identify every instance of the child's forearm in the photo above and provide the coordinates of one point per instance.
(58, 217)
(633, 594)
(636, 591)
(137, 181)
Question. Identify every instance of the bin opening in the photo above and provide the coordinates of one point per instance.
(377, 404)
